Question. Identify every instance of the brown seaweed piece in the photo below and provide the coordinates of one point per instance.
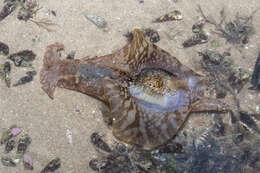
(147, 92)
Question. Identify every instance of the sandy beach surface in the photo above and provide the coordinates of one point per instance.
(48, 121)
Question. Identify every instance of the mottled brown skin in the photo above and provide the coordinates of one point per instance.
(111, 79)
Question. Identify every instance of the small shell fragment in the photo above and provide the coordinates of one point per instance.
(52, 166)
(9, 146)
(4, 49)
(98, 142)
(198, 38)
(8, 8)
(16, 131)
(174, 15)
(27, 161)
(197, 27)
(25, 55)
(99, 21)
(23, 144)
(7, 161)
(25, 79)
(7, 135)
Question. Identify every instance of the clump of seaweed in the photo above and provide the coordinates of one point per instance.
(236, 31)
(26, 12)
(222, 75)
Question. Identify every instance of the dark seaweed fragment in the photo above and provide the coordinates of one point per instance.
(8, 8)
(98, 142)
(6, 70)
(197, 38)
(236, 31)
(112, 164)
(4, 49)
(9, 146)
(52, 166)
(25, 55)
(26, 79)
(256, 73)
(222, 75)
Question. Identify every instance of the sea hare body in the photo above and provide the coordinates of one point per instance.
(147, 92)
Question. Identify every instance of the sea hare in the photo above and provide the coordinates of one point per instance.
(148, 93)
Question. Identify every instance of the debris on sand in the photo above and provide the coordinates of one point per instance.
(7, 161)
(222, 75)
(197, 38)
(236, 31)
(256, 74)
(26, 12)
(5, 70)
(22, 58)
(26, 79)
(98, 142)
(9, 133)
(99, 21)
(27, 161)
(173, 15)
(52, 166)
(23, 144)
(10, 145)
(11, 159)
(71, 55)
(8, 8)
(4, 49)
